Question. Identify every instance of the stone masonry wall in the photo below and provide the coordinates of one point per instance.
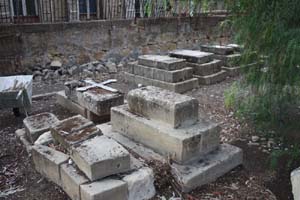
(118, 40)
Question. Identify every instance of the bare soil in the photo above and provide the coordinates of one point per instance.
(253, 180)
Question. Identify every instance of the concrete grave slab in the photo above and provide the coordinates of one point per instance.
(213, 78)
(107, 189)
(71, 180)
(100, 157)
(206, 68)
(154, 103)
(209, 168)
(182, 145)
(38, 124)
(161, 62)
(47, 162)
(193, 56)
(218, 49)
(232, 60)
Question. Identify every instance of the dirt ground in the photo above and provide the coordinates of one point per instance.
(253, 180)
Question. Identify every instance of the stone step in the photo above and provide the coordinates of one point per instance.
(231, 60)
(213, 78)
(218, 49)
(159, 74)
(206, 68)
(182, 145)
(38, 124)
(180, 87)
(193, 56)
(161, 62)
(175, 110)
(100, 157)
(209, 168)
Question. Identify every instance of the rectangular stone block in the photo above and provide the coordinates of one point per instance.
(209, 168)
(206, 68)
(107, 189)
(70, 89)
(99, 101)
(71, 180)
(193, 56)
(161, 62)
(179, 87)
(47, 162)
(182, 145)
(38, 124)
(231, 60)
(154, 103)
(213, 78)
(162, 75)
(218, 49)
(73, 131)
(100, 157)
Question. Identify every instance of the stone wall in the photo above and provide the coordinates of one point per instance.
(117, 41)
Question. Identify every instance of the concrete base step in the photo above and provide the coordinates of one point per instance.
(183, 145)
(206, 68)
(213, 78)
(218, 49)
(193, 56)
(208, 169)
(235, 71)
(180, 87)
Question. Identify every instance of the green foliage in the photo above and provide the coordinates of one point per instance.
(270, 33)
(292, 155)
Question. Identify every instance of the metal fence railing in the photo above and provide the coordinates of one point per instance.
(45, 11)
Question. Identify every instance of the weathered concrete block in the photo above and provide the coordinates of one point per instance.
(213, 78)
(162, 75)
(70, 89)
(73, 131)
(206, 68)
(44, 139)
(182, 145)
(107, 189)
(209, 168)
(71, 180)
(232, 60)
(168, 107)
(161, 62)
(193, 56)
(47, 162)
(99, 101)
(218, 49)
(179, 87)
(140, 184)
(96, 118)
(295, 179)
(38, 124)
(62, 100)
(100, 157)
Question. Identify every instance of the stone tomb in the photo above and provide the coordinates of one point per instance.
(93, 103)
(229, 55)
(91, 166)
(161, 71)
(159, 120)
(205, 67)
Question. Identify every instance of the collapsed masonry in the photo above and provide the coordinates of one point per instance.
(168, 123)
(161, 71)
(74, 154)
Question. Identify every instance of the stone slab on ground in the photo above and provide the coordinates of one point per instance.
(209, 168)
(159, 74)
(180, 87)
(47, 162)
(100, 157)
(218, 49)
(232, 60)
(71, 180)
(213, 78)
(193, 56)
(73, 131)
(161, 62)
(38, 124)
(182, 145)
(206, 68)
(295, 179)
(107, 189)
(99, 101)
(154, 103)
(140, 184)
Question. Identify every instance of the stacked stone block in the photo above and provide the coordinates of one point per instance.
(169, 124)
(205, 68)
(89, 165)
(161, 71)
